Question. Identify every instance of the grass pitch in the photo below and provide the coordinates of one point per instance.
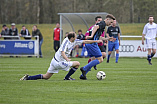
(131, 81)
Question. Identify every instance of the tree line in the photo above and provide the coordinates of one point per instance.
(45, 11)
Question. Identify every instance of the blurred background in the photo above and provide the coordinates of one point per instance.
(131, 15)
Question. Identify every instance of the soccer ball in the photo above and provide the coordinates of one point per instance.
(101, 75)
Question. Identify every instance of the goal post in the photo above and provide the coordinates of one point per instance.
(75, 21)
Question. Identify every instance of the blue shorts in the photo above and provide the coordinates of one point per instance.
(93, 50)
(112, 45)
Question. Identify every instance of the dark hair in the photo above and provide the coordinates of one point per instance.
(110, 16)
(150, 15)
(67, 33)
(35, 26)
(23, 26)
(71, 35)
(79, 30)
(4, 25)
(96, 18)
(57, 23)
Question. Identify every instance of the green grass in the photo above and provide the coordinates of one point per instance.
(131, 81)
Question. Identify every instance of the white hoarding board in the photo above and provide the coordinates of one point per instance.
(132, 48)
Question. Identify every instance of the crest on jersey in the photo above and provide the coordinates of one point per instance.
(116, 29)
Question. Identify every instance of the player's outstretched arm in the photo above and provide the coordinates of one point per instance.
(92, 41)
(93, 32)
(108, 38)
(143, 39)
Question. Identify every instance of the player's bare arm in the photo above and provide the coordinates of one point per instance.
(64, 56)
(110, 38)
(143, 39)
(119, 38)
(92, 41)
(93, 32)
(103, 38)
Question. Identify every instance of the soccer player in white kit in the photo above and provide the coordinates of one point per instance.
(150, 32)
(61, 60)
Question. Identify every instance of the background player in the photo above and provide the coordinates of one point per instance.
(93, 49)
(150, 31)
(61, 61)
(56, 37)
(113, 31)
(101, 46)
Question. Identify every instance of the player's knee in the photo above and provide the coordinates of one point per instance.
(104, 54)
(117, 51)
(100, 60)
(154, 51)
(76, 64)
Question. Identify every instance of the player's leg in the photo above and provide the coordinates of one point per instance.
(40, 44)
(77, 50)
(88, 67)
(58, 45)
(49, 73)
(75, 65)
(149, 48)
(93, 50)
(153, 52)
(83, 51)
(117, 51)
(108, 57)
(55, 46)
(149, 56)
(110, 49)
(35, 77)
(153, 48)
(117, 55)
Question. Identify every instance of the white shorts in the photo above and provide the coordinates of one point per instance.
(55, 66)
(150, 43)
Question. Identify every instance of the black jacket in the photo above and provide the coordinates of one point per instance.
(37, 33)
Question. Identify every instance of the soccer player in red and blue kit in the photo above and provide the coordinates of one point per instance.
(93, 49)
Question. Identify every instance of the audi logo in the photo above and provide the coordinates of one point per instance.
(126, 48)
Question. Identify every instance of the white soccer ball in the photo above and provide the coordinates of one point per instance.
(101, 75)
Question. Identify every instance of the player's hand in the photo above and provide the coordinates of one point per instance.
(142, 42)
(68, 59)
(88, 37)
(99, 41)
(111, 38)
(114, 39)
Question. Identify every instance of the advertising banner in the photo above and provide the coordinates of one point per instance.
(16, 47)
(133, 48)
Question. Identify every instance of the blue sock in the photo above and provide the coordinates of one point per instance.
(90, 65)
(72, 70)
(117, 57)
(108, 57)
(149, 58)
(35, 77)
(152, 54)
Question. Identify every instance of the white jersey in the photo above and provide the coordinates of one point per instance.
(66, 46)
(150, 30)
